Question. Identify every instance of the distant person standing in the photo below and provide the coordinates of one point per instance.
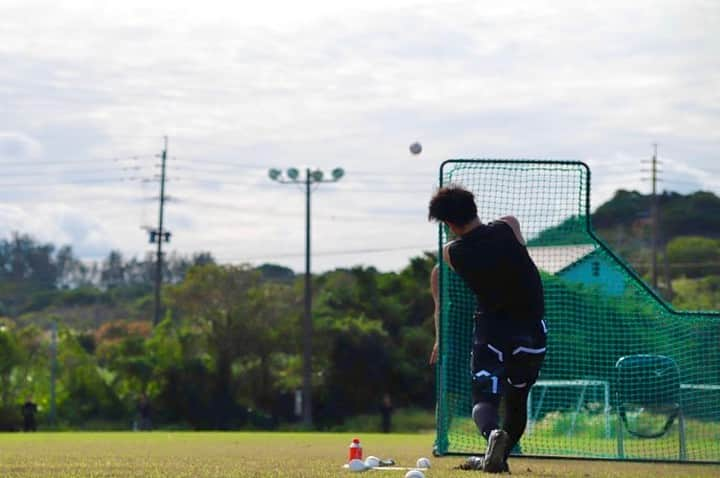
(386, 410)
(144, 412)
(29, 409)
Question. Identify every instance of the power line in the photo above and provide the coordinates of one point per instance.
(46, 173)
(255, 185)
(251, 166)
(224, 170)
(222, 163)
(69, 183)
(404, 174)
(245, 218)
(61, 162)
(250, 181)
(384, 191)
(222, 182)
(335, 253)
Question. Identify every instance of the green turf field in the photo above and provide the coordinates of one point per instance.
(200, 455)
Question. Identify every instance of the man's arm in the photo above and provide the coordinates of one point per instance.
(446, 254)
(435, 289)
(515, 226)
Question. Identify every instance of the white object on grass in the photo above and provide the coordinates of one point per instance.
(414, 474)
(357, 465)
(423, 462)
(372, 461)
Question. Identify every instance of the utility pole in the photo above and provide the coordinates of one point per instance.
(654, 217)
(159, 236)
(292, 176)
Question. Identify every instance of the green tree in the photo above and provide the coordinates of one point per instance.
(243, 322)
(694, 256)
(26, 268)
(11, 358)
(697, 294)
(625, 207)
(113, 271)
(84, 389)
(353, 351)
(361, 310)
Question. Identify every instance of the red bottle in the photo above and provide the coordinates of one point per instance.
(355, 451)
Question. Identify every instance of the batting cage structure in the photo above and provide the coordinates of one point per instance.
(626, 376)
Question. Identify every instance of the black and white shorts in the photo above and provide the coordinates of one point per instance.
(505, 353)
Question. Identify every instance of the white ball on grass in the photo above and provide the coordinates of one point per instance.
(414, 474)
(416, 148)
(372, 461)
(357, 465)
(423, 463)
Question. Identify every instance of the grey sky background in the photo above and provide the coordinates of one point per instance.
(88, 89)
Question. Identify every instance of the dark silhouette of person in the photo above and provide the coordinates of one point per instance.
(386, 410)
(29, 409)
(509, 331)
(144, 412)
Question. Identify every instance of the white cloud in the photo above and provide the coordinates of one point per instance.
(59, 224)
(240, 88)
(18, 146)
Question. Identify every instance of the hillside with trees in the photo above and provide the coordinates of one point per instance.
(688, 237)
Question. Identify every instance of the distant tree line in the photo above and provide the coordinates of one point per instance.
(32, 272)
(696, 214)
(228, 352)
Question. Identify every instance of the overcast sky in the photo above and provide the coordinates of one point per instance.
(87, 92)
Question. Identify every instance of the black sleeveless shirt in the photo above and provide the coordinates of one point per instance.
(499, 270)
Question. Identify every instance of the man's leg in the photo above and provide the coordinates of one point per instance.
(523, 368)
(515, 415)
(485, 416)
(487, 388)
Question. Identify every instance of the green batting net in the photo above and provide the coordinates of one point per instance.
(626, 376)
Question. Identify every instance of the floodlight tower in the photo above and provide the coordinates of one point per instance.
(292, 176)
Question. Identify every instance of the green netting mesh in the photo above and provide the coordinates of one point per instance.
(625, 376)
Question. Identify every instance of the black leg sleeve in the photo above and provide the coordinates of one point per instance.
(485, 416)
(515, 414)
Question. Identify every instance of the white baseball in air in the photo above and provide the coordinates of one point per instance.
(372, 461)
(414, 474)
(423, 463)
(357, 465)
(416, 148)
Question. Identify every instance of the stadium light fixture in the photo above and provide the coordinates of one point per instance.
(316, 176)
(338, 173)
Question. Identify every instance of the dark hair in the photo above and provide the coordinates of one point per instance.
(453, 204)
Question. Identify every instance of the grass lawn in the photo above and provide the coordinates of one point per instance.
(260, 454)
